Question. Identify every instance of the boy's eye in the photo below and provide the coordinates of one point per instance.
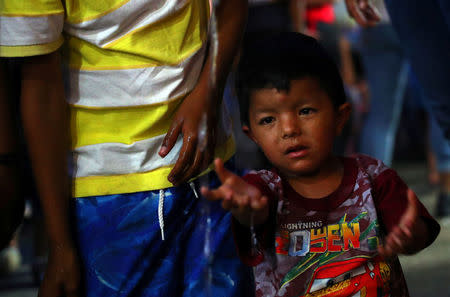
(306, 111)
(266, 120)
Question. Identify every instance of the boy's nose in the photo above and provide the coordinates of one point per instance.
(290, 127)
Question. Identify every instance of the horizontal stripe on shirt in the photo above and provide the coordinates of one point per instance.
(160, 43)
(109, 25)
(121, 125)
(18, 31)
(133, 87)
(31, 8)
(137, 182)
(30, 50)
(112, 158)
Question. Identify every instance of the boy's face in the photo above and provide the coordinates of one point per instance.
(296, 130)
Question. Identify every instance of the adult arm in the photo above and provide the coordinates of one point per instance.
(205, 98)
(45, 119)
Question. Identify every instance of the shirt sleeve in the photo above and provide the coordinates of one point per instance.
(390, 193)
(30, 27)
(249, 254)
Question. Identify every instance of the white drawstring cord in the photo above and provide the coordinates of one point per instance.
(162, 196)
(161, 212)
(192, 185)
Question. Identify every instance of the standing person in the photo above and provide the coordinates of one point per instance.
(424, 33)
(387, 74)
(324, 224)
(438, 150)
(137, 81)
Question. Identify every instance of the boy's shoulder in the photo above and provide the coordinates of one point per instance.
(265, 180)
(369, 165)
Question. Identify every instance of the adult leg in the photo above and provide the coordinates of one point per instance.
(424, 31)
(387, 72)
(441, 148)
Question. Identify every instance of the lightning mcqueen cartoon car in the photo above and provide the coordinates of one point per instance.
(358, 277)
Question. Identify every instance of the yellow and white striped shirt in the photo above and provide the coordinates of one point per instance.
(128, 66)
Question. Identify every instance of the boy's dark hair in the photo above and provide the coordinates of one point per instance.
(274, 60)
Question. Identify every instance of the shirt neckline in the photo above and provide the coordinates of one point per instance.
(332, 200)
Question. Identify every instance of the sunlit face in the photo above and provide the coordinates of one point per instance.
(295, 129)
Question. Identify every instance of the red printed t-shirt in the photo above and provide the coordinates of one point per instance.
(328, 246)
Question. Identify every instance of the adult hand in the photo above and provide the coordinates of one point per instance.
(401, 238)
(62, 276)
(364, 13)
(196, 121)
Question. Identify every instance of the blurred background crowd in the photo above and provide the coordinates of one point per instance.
(391, 119)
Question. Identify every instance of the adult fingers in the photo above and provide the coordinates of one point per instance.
(171, 138)
(72, 286)
(49, 289)
(192, 169)
(186, 154)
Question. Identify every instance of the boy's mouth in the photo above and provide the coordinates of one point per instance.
(296, 151)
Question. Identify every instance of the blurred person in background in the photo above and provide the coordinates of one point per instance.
(423, 28)
(423, 31)
(437, 149)
(387, 76)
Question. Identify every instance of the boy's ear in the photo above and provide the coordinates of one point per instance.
(248, 132)
(344, 111)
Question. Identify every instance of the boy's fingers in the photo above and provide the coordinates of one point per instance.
(382, 250)
(212, 194)
(406, 230)
(412, 204)
(221, 171)
(411, 213)
(396, 243)
(257, 204)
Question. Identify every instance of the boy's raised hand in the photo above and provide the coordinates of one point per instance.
(402, 239)
(238, 196)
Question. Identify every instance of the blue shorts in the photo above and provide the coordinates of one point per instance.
(123, 254)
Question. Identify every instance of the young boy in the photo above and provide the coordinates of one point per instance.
(325, 225)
